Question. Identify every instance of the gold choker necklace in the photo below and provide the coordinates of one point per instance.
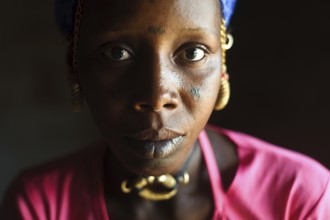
(156, 188)
(159, 188)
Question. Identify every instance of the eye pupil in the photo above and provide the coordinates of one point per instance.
(191, 53)
(118, 53)
(194, 54)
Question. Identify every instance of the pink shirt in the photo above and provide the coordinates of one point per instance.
(270, 183)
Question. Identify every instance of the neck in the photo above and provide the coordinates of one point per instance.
(115, 172)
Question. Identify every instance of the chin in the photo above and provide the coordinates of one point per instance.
(151, 158)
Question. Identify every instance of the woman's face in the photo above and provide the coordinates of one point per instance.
(150, 72)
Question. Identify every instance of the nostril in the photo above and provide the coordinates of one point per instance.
(157, 106)
(170, 106)
(145, 106)
(142, 107)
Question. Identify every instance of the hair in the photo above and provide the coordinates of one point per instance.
(65, 11)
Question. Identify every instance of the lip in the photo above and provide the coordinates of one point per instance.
(155, 135)
(154, 144)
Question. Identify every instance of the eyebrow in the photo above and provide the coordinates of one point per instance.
(160, 30)
(217, 33)
(157, 30)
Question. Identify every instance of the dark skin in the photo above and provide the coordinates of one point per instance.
(151, 78)
(194, 201)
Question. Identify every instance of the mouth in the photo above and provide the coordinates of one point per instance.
(154, 144)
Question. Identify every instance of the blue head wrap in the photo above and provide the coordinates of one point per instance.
(228, 7)
(65, 13)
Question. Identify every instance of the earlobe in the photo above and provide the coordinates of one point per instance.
(224, 93)
(76, 94)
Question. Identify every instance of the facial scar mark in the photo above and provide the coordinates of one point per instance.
(195, 92)
(156, 30)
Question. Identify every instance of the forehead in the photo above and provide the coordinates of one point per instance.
(143, 14)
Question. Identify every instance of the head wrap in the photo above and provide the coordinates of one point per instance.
(228, 7)
(65, 13)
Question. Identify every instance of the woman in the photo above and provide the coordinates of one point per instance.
(152, 72)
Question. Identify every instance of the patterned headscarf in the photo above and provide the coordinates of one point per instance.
(65, 13)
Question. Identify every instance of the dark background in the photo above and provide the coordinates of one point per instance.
(280, 74)
(279, 69)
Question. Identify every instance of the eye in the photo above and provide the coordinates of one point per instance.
(118, 53)
(193, 54)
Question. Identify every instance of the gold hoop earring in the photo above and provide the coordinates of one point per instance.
(224, 93)
(229, 42)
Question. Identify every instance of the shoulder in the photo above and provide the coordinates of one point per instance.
(45, 186)
(67, 165)
(267, 155)
(295, 182)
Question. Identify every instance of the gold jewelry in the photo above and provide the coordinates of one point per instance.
(227, 41)
(224, 93)
(159, 188)
(156, 188)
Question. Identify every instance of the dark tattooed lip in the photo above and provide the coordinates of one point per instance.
(154, 147)
(153, 135)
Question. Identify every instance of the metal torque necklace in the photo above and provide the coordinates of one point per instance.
(158, 188)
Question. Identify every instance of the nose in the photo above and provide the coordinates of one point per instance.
(159, 91)
(165, 101)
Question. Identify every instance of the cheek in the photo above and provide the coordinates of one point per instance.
(99, 82)
(211, 83)
(203, 90)
(195, 92)
(103, 95)
(199, 99)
